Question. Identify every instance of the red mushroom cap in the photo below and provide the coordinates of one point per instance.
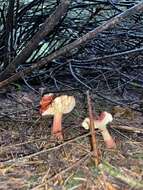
(45, 102)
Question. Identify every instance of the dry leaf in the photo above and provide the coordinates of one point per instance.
(109, 186)
(123, 112)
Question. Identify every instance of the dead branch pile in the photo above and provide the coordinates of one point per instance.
(74, 44)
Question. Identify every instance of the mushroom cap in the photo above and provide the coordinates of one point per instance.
(86, 122)
(62, 104)
(105, 118)
(102, 121)
(45, 102)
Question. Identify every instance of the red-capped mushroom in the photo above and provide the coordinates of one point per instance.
(101, 124)
(57, 107)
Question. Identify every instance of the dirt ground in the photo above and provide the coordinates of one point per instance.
(31, 159)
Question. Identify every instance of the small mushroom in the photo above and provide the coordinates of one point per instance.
(101, 124)
(57, 107)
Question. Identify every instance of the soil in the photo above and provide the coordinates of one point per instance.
(31, 159)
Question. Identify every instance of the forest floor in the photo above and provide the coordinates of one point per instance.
(30, 159)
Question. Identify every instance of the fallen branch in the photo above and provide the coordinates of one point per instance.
(127, 128)
(129, 52)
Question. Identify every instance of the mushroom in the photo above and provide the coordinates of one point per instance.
(57, 107)
(101, 124)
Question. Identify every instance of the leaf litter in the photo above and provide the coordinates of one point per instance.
(30, 159)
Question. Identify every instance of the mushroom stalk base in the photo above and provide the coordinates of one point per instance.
(57, 126)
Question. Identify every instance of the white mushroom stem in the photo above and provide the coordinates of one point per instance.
(101, 124)
(57, 125)
(110, 143)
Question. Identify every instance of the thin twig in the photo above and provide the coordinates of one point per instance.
(18, 160)
(93, 134)
(77, 163)
(128, 128)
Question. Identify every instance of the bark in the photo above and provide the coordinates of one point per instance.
(90, 35)
(44, 30)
